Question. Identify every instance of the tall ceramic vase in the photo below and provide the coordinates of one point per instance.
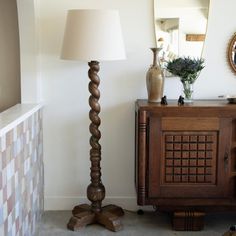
(155, 78)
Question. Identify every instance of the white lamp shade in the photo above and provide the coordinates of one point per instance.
(93, 35)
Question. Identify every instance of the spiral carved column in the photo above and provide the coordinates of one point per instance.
(96, 190)
(88, 214)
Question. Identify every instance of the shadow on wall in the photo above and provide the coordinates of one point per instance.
(118, 132)
(10, 93)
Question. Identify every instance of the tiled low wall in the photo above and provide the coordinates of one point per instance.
(21, 177)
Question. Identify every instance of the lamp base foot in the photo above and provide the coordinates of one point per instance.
(108, 217)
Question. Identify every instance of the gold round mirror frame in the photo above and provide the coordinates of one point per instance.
(231, 48)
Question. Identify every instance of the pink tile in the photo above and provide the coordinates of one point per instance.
(10, 204)
(17, 224)
(20, 129)
(1, 184)
(8, 154)
(33, 183)
(4, 159)
(6, 227)
(9, 138)
(5, 194)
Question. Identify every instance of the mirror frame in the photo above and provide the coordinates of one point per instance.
(229, 53)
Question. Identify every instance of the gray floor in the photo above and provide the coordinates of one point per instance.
(151, 223)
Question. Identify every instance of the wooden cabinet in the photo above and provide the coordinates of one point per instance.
(185, 159)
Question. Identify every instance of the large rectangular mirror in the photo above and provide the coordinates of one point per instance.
(180, 27)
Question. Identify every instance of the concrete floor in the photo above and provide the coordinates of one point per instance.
(151, 223)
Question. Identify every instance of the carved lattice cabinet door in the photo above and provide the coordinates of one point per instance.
(188, 157)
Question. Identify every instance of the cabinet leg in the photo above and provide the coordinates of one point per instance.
(140, 212)
(188, 220)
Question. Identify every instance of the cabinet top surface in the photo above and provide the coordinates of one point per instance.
(220, 104)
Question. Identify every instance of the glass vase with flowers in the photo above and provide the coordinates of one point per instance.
(188, 70)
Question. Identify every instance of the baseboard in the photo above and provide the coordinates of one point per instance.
(53, 203)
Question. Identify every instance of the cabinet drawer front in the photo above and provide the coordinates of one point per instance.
(189, 123)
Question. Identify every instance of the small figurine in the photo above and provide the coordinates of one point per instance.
(164, 101)
(181, 100)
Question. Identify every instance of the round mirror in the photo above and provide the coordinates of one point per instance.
(232, 53)
(180, 27)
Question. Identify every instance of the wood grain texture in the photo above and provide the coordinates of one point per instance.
(230, 51)
(186, 159)
(190, 123)
(195, 37)
(188, 221)
(84, 214)
(142, 141)
(96, 190)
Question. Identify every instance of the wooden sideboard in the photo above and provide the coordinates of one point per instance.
(185, 159)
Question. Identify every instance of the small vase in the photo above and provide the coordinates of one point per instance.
(187, 91)
(155, 78)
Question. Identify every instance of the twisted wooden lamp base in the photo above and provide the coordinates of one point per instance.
(85, 214)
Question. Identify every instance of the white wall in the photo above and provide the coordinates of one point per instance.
(64, 91)
(29, 46)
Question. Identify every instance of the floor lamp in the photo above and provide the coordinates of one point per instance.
(92, 36)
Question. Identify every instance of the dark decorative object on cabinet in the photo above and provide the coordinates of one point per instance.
(185, 159)
(164, 101)
(181, 100)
